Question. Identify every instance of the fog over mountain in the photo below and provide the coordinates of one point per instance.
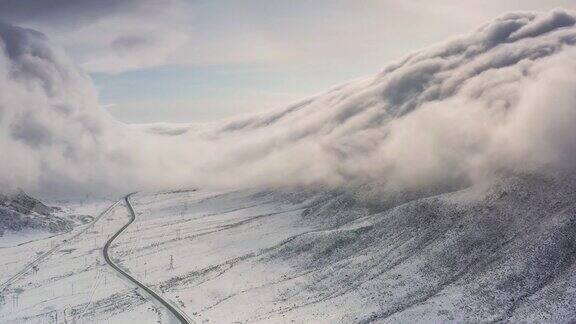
(499, 100)
(440, 189)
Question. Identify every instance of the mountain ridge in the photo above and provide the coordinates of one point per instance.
(19, 211)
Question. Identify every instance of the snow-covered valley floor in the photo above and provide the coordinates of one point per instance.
(501, 252)
(72, 283)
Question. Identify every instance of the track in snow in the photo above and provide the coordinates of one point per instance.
(27, 268)
(180, 316)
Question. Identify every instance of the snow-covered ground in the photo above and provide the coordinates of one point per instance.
(19, 247)
(383, 232)
(73, 283)
(502, 251)
(202, 245)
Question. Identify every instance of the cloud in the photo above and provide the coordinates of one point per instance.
(45, 110)
(115, 36)
(501, 99)
(450, 114)
(107, 36)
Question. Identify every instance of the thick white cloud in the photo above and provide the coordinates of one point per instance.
(107, 36)
(501, 99)
(453, 113)
(113, 36)
(50, 131)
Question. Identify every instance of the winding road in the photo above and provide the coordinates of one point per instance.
(177, 313)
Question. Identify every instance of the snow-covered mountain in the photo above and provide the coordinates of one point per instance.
(504, 251)
(18, 212)
(440, 190)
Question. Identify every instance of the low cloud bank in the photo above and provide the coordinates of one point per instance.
(502, 99)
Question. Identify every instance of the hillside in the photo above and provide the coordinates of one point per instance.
(19, 212)
(502, 251)
(441, 189)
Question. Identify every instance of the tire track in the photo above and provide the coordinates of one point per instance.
(46, 254)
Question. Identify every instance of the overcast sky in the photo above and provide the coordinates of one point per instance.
(196, 61)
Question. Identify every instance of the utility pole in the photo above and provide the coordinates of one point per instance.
(68, 312)
(52, 316)
(171, 262)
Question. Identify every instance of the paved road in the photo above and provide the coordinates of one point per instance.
(28, 267)
(179, 315)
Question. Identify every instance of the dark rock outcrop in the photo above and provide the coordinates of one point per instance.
(19, 211)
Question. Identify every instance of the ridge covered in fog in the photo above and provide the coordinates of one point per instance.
(499, 99)
(441, 189)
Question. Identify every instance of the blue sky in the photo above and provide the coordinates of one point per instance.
(189, 94)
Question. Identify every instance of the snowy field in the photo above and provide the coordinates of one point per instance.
(73, 283)
(503, 251)
(207, 249)
(18, 248)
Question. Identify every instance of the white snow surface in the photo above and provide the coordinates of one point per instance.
(443, 191)
(73, 283)
(503, 251)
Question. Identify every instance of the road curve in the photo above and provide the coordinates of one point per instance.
(181, 317)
